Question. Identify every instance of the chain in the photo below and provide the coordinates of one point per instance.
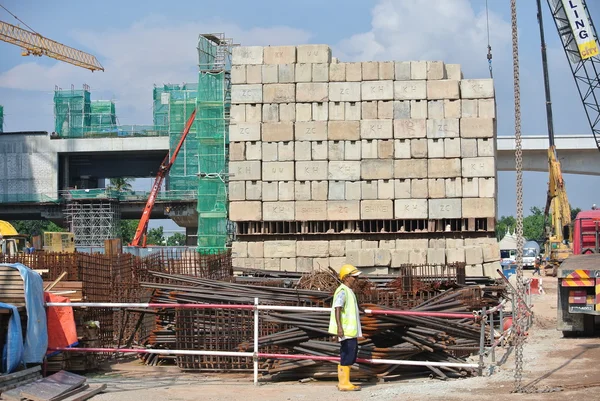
(520, 312)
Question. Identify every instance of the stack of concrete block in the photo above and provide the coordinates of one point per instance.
(313, 139)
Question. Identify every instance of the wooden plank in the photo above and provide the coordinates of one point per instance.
(51, 285)
(94, 389)
(21, 373)
(53, 386)
(71, 393)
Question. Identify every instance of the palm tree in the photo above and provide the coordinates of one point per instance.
(120, 184)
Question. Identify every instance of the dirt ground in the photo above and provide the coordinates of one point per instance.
(555, 368)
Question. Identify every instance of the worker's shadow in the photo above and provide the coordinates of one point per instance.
(531, 385)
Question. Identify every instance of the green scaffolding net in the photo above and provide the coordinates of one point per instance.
(72, 109)
(1, 119)
(103, 117)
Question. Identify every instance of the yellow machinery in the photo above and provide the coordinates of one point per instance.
(11, 242)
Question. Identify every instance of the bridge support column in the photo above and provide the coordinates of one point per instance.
(93, 220)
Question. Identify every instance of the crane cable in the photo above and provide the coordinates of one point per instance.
(489, 47)
(18, 19)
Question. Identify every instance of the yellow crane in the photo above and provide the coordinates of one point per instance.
(34, 44)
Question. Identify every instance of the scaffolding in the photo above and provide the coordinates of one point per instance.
(92, 221)
(103, 117)
(72, 109)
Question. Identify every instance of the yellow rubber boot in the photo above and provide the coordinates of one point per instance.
(344, 379)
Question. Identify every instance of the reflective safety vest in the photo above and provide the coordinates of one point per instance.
(349, 316)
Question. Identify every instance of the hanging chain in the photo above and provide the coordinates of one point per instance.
(489, 47)
(520, 304)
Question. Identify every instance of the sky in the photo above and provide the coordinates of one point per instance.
(142, 43)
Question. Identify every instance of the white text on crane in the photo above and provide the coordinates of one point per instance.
(581, 27)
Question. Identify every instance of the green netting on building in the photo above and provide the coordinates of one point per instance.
(72, 109)
(1, 119)
(103, 117)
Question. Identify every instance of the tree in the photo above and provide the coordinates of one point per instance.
(177, 239)
(504, 224)
(574, 212)
(35, 227)
(127, 230)
(533, 225)
(120, 184)
(155, 236)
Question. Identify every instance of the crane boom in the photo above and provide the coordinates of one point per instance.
(37, 45)
(165, 166)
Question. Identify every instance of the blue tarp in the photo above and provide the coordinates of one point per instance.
(12, 354)
(36, 340)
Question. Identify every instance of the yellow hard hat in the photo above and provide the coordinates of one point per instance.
(349, 270)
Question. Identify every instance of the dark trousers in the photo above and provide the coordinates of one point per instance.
(348, 351)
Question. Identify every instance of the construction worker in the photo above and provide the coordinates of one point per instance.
(344, 323)
(537, 266)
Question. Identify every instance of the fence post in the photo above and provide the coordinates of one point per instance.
(255, 341)
(482, 341)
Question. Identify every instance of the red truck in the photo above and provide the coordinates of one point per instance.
(586, 232)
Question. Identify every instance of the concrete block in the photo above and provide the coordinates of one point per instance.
(436, 70)
(272, 264)
(487, 108)
(237, 151)
(435, 109)
(410, 128)
(337, 190)
(487, 187)
(279, 249)
(399, 257)
(443, 168)
(353, 111)
(377, 90)
(385, 189)
(320, 111)
(418, 70)
(418, 109)
(419, 188)
(319, 190)
(319, 150)
(353, 72)
(337, 262)
(269, 73)
(311, 171)
(455, 255)
(256, 249)
(452, 108)
(344, 92)
(453, 187)
(353, 244)
(385, 149)
(477, 88)
(243, 94)
(469, 108)
(452, 147)
(245, 171)
(352, 150)
(320, 264)
(377, 169)
(247, 55)
(453, 71)
(385, 109)
(287, 112)
(437, 243)
(303, 72)
(335, 150)
(238, 74)
(478, 207)
(311, 211)
(402, 189)
(343, 130)
(301, 191)
(311, 130)
(435, 148)
(410, 168)
(436, 187)
(486, 147)
(445, 209)
(360, 257)
(479, 167)
(320, 72)
(386, 70)
(369, 110)
(369, 148)
(410, 209)
(343, 210)
(253, 113)
(402, 148)
(278, 211)
(443, 89)
(491, 252)
(436, 256)
(270, 113)
(279, 54)
(278, 171)
(285, 151)
(286, 190)
(474, 270)
(410, 90)
(418, 148)
(406, 244)
(270, 191)
(303, 112)
(237, 114)
(370, 71)
(477, 127)
(402, 70)
(337, 111)
(254, 74)
(473, 255)
(491, 269)
(401, 109)
(383, 257)
(337, 248)
(245, 211)
(249, 263)
(344, 170)
(304, 265)
(468, 147)
(313, 54)
(302, 150)
(243, 132)
(253, 190)
(278, 132)
(312, 92)
(337, 72)
(445, 128)
(237, 191)
(279, 93)
(455, 243)
(352, 190)
(287, 73)
(470, 187)
(417, 256)
(253, 151)
(368, 189)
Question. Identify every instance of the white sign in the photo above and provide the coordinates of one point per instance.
(581, 27)
(164, 98)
